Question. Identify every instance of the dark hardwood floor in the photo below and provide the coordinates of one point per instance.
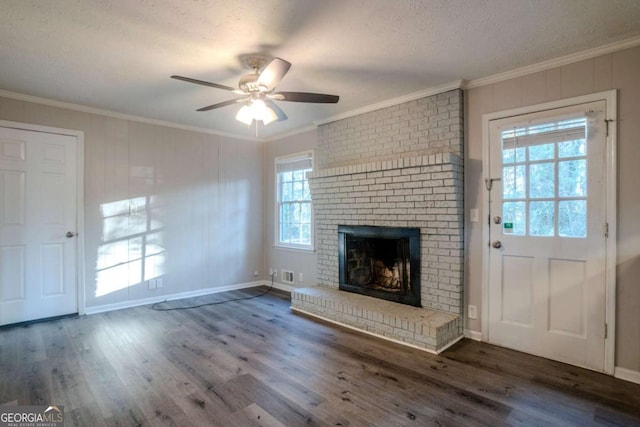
(253, 363)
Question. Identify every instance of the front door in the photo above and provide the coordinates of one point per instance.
(37, 225)
(548, 234)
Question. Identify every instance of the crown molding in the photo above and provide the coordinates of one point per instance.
(293, 132)
(457, 84)
(554, 63)
(116, 115)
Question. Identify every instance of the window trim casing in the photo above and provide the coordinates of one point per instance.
(276, 237)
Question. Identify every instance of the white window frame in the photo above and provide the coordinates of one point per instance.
(291, 158)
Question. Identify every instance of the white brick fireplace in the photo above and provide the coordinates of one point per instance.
(408, 174)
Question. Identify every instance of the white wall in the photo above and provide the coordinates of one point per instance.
(198, 198)
(279, 258)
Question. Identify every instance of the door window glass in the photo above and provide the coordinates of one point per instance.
(544, 179)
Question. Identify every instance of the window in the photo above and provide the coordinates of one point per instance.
(294, 212)
(544, 178)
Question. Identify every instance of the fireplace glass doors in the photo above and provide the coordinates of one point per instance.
(382, 262)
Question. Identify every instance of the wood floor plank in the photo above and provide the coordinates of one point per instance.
(254, 362)
(86, 415)
(389, 380)
(260, 417)
(489, 386)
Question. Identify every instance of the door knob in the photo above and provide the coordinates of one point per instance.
(496, 244)
(70, 234)
(497, 219)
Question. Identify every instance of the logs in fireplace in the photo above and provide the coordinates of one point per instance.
(382, 262)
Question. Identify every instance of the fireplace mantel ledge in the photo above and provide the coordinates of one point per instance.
(426, 160)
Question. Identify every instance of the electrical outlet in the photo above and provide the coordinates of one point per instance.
(473, 312)
(300, 277)
(151, 284)
(255, 273)
(274, 272)
(158, 283)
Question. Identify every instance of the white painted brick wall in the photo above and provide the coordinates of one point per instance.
(393, 195)
(428, 125)
(399, 167)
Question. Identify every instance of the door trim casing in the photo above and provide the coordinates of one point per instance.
(79, 136)
(610, 98)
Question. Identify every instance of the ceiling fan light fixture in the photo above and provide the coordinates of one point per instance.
(245, 115)
(256, 110)
(262, 112)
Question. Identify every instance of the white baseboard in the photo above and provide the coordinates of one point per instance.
(281, 286)
(277, 285)
(171, 297)
(620, 373)
(473, 335)
(627, 374)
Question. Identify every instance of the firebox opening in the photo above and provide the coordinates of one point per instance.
(382, 262)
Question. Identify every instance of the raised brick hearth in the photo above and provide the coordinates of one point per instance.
(429, 330)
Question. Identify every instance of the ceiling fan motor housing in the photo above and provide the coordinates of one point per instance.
(249, 83)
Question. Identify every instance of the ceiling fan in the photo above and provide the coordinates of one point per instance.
(258, 91)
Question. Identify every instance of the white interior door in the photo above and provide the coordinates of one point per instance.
(547, 234)
(37, 210)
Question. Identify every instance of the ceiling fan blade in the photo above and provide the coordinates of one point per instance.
(203, 83)
(319, 98)
(273, 73)
(281, 115)
(220, 104)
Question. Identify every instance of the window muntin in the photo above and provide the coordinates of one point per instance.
(544, 177)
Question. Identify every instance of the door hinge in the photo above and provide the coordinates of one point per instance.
(606, 331)
(606, 229)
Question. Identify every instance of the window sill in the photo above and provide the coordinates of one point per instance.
(295, 249)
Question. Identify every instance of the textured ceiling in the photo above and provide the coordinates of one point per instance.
(118, 54)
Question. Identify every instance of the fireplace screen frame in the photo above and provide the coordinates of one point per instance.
(412, 235)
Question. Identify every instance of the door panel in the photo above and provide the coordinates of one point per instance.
(37, 209)
(52, 266)
(517, 302)
(12, 271)
(12, 150)
(547, 211)
(12, 197)
(53, 199)
(566, 297)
